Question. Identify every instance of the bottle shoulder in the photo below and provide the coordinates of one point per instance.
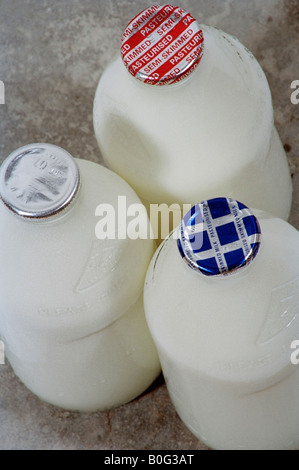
(227, 96)
(279, 249)
(226, 65)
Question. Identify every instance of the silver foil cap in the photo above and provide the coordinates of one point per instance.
(38, 180)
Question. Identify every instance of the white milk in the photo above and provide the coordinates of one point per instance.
(224, 340)
(71, 313)
(208, 134)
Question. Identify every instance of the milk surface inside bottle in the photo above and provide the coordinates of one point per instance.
(183, 95)
(221, 300)
(71, 313)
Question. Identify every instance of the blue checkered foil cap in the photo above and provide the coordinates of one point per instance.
(219, 236)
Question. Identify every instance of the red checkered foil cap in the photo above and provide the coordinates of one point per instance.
(162, 45)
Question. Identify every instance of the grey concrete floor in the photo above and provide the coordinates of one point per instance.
(52, 54)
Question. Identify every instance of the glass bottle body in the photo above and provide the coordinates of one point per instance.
(71, 311)
(225, 342)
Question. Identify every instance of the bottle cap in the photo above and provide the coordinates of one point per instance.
(162, 45)
(219, 236)
(38, 180)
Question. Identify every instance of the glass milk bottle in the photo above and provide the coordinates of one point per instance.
(213, 116)
(221, 300)
(71, 312)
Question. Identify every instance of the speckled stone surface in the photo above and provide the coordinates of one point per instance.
(52, 54)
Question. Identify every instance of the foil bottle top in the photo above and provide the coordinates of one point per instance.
(162, 45)
(219, 236)
(38, 180)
